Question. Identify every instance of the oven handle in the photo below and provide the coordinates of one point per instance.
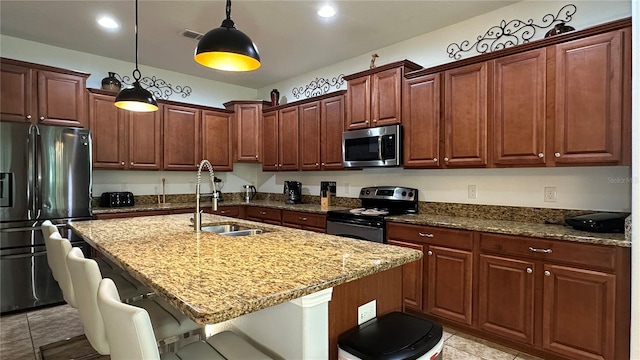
(379, 147)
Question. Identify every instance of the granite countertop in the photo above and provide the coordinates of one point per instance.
(213, 278)
(547, 231)
(311, 208)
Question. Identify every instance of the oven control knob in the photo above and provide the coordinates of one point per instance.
(411, 194)
(368, 192)
(378, 224)
(361, 192)
(404, 193)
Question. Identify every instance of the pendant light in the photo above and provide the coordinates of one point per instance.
(136, 98)
(227, 48)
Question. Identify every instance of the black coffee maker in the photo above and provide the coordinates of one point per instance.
(293, 192)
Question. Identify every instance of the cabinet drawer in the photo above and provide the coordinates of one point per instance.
(233, 211)
(264, 213)
(593, 256)
(461, 239)
(304, 219)
(130, 214)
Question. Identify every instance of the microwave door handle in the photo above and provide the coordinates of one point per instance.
(379, 147)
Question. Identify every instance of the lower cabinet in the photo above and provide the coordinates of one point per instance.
(556, 299)
(264, 214)
(304, 221)
(231, 211)
(131, 214)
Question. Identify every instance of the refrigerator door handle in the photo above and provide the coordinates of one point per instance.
(38, 175)
(30, 174)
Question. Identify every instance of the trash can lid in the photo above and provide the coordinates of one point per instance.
(393, 336)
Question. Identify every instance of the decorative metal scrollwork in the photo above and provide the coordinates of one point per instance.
(158, 87)
(319, 86)
(510, 33)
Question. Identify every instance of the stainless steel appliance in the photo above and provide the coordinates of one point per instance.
(45, 174)
(249, 192)
(368, 221)
(117, 199)
(293, 192)
(379, 146)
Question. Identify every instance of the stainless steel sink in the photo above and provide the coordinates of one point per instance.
(231, 229)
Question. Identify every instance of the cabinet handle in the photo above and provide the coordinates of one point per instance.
(375, 121)
(435, 159)
(322, 164)
(430, 252)
(529, 270)
(366, 121)
(317, 164)
(41, 118)
(223, 212)
(556, 154)
(302, 218)
(547, 273)
(132, 163)
(425, 235)
(122, 163)
(256, 157)
(28, 116)
(446, 159)
(546, 251)
(540, 155)
(263, 213)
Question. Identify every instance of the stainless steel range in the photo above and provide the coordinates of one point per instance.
(368, 221)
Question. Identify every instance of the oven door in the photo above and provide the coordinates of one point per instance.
(355, 231)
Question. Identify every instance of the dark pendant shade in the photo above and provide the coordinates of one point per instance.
(227, 48)
(136, 99)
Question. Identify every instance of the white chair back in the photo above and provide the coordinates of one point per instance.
(57, 250)
(86, 277)
(48, 229)
(129, 328)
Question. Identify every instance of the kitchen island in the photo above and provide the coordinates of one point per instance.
(214, 278)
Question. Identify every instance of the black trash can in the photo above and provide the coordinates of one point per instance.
(394, 336)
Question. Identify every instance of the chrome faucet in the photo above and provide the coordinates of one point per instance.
(197, 221)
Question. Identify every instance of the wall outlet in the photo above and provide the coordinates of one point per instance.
(550, 194)
(471, 192)
(366, 312)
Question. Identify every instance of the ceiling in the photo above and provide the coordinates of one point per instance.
(291, 38)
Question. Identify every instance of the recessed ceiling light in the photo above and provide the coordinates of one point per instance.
(108, 22)
(326, 11)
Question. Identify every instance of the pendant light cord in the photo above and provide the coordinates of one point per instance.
(228, 9)
(136, 72)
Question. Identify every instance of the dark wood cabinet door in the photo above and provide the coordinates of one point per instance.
(216, 140)
(248, 140)
(449, 283)
(412, 277)
(61, 99)
(332, 126)
(506, 297)
(588, 100)
(358, 103)
(310, 136)
(421, 122)
(16, 92)
(579, 312)
(386, 97)
(181, 137)
(108, 133)
(465, 116)
(270, 141)
(288, 139)
(519, 114)
(145, 142)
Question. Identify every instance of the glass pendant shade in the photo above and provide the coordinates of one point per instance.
(227, 48)
(136, 99)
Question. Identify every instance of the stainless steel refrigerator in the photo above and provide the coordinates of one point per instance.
(45, 174)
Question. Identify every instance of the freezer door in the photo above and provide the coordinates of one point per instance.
(26, 281)
(63, 168)
(15, 161)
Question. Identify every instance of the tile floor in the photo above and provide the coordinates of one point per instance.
(23, 334)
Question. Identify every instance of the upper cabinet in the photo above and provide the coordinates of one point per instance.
(181, 141)
(42, 95)
(374, 97)
(247, 117)
(321, 127)
(589, 98)
(216, 139)
(280, 139)
(123, 139)
(561, 101)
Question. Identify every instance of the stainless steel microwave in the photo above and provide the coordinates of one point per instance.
(372, 147)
